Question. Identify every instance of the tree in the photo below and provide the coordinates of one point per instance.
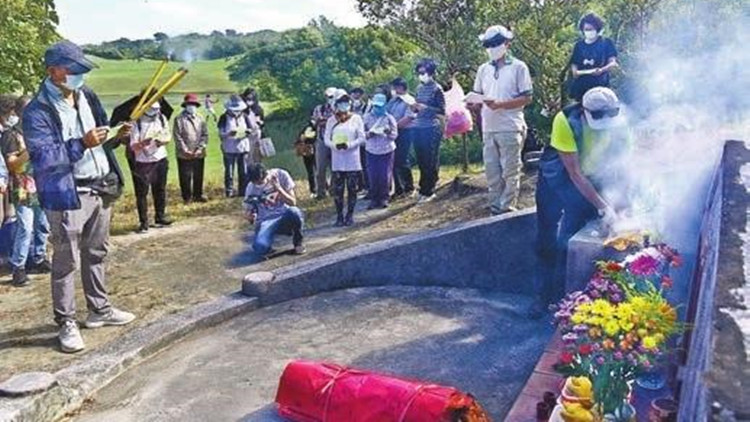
(27, 28)
(230, 33)
(160, 37)
(306, 61)
(447, 29)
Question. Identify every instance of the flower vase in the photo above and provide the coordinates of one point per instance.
(625, 413)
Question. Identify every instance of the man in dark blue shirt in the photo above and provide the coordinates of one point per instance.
(593, 57)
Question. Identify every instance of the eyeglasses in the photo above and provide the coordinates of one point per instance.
(601, 114)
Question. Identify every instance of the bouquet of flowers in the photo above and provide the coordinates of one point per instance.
(619, 326)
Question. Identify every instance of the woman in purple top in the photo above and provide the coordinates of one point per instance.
(381, 131)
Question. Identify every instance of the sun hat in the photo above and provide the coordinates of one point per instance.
(191, 99)
(235, 103)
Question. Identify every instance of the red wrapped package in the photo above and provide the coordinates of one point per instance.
(323, 392)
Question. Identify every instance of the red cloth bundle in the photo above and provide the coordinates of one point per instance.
(322, 392)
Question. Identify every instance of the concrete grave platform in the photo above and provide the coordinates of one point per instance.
(476, 341)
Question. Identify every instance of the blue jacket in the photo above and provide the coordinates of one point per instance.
(53, 157)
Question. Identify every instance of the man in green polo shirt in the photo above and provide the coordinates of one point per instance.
(587, 144)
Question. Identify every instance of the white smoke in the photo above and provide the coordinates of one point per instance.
(696, 88)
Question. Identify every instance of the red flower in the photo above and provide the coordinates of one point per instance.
(585, 349)
(667, 282)
(614, 267)
(566, 358)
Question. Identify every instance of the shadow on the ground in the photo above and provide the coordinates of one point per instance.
(39, 336)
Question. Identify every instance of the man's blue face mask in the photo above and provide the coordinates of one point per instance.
(74, 82)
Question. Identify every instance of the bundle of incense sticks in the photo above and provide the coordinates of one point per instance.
(147, 100)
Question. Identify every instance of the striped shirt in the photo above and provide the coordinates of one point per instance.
(431, 95)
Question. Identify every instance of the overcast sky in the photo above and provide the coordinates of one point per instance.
(93, 21)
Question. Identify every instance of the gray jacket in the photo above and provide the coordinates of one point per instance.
(190, 135)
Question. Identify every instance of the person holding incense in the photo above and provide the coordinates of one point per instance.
(78, 176)
(148, 141)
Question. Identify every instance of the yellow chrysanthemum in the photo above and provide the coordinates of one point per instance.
(578, 318)
(612, 328)
(649, 343)
(602, 307)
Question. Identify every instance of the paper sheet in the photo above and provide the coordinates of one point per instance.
(474, 98)
(586, 72)
(408, 99)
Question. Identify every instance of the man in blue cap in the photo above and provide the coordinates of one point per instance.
(78, 178)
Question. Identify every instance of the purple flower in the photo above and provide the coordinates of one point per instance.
(616, 298)
(618, 356)
(600, 360)
(644, 265)
(595, 294)
(581, 328)
(570, 338)
(597, 347)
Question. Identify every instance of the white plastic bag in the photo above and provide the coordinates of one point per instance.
(458, 118)
(267, 149)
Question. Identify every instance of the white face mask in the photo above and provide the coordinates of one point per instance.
(496, 53)
(425, 78)
(12, 121)
(590, 35)
(74, 82)
(191, 109)
(152, 112)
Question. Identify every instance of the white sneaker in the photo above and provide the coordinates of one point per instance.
(425, 199)
(114, 317)
(70, 338)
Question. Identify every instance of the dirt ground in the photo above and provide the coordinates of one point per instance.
(168, 270)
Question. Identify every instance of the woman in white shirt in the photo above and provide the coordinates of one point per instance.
(148, 140)
(345, 133)
(236, 128)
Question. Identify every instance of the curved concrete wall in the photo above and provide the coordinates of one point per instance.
(491, 254)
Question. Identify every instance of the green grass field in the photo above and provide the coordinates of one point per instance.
(117, 81)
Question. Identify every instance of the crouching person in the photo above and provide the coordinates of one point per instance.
(270, 204)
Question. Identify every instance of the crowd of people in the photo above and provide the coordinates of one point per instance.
(59, 172)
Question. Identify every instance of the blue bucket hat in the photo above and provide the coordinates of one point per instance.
(69, 56)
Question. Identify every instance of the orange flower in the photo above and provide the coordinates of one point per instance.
(608, 344)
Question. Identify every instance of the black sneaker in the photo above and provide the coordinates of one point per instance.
(299, 250)
(339, 221)
(20, 278)
(349, 221)
(143, 228)
(41, 267)
(200, 199)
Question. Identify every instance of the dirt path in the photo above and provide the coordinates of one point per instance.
(200, 259)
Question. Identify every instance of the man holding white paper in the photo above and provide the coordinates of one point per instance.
(503, 87)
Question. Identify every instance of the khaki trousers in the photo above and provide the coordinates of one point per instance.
(502, 162)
